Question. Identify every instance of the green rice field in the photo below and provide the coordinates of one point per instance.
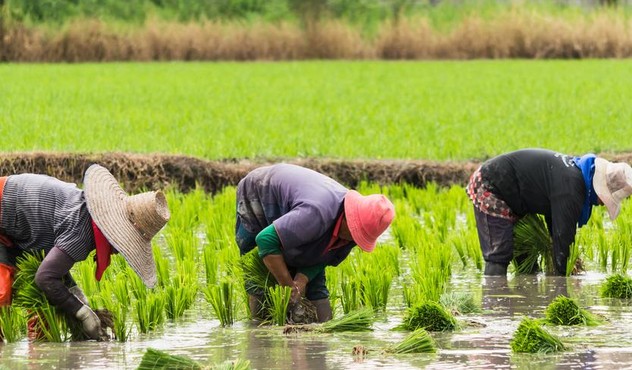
(426, 110)
(429, 257)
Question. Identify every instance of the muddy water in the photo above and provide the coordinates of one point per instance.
(504, 303)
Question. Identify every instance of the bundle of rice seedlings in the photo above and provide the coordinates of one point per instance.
(530, 337)
(430, 316)
(617, 286)
(12, 324)
(154, 359)
(48, 323)
(459, 303)
(565, 311)
(358, 320)
(256, 272)
(355, 321)
(532, 245)
(419, 341)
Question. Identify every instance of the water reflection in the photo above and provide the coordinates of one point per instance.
(504, 301)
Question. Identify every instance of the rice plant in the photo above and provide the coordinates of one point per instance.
(350, 294)
(150, 312)
(617, 286)
(430, 316)
(49, 324)
(419, 341)
(180, 294)
(530, 337)
(532, 245)
(278, 301)
(221, 298)
(565, 311)
(115, 299)
(256, 272)
(12, 324)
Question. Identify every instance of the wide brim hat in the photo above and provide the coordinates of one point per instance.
(612, 183)
(127, 222)
(367, 217)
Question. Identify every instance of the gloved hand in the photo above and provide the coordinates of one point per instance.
(91, 323)
(79, 294)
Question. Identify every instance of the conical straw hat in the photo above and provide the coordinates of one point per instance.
(128, 222)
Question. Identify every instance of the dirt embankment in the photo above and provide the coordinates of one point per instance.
(138, 172)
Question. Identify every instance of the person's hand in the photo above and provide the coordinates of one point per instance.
(298, 287)
(91, 323)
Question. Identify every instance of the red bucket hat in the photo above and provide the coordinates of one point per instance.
(367, 217)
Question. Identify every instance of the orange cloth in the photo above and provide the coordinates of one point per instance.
(6, 282)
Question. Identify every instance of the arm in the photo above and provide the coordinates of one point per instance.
(49, 278)
(563, 226)
(270, 251)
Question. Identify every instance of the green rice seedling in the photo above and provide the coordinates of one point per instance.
(154, 359)
(430, 316)
(50, 324)
(358, 320)
(162, 267)
(565, 311)
(137, 287)
(532, 245)
(180, 294)
(12, 324)
(221, 298)
(83, 273)
(573, 260)
(150, 312)
(278, 301)
(183, 243)
(530, 337)
(350, 297)
(110, 291)
(459, 303)
(374, 287)
(617, 286)
(211, 262)
(333, 285)
(419, 341)
(256, 272)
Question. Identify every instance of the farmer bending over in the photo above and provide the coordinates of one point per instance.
(303, 221)
(563, 188)
(39, 212)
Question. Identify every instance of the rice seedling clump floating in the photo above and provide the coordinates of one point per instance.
(530, 337)
(430, 316)
(565, 311)
(154, 359)
(419, 341)
(617, 286)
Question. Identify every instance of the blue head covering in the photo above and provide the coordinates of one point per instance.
(586, 164)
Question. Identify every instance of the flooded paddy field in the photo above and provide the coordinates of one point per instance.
(483, 342)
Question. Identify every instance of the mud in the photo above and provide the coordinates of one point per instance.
(138, 172)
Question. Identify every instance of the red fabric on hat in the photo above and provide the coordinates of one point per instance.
(104, 251)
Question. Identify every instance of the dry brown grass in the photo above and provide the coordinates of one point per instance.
(515, 34)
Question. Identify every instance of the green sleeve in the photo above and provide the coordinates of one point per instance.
(312, 271)
(268, 241)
